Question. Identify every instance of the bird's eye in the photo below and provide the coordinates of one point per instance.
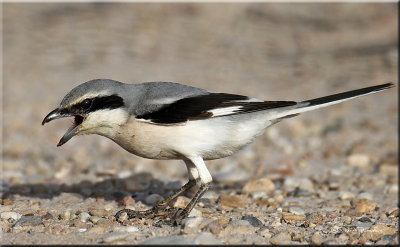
(86, 104)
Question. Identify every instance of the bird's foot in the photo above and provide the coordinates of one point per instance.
(126, 214)
(175, 217)
(168, 216)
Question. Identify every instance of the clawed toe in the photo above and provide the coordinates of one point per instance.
(127, 214)
(170, 216)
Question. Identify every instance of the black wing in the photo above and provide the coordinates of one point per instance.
(200, 107)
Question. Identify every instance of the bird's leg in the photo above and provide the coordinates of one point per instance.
(181, 214)
(197, 170)
(159, 208)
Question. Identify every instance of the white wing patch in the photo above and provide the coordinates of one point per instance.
(225, 111)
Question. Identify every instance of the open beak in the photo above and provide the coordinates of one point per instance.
(72, 131)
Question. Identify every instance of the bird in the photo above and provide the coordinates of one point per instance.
(172, 121)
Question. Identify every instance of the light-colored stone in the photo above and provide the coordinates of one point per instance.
(192, 224)
(195, 213)
(302, 183)
(98, 212)
(393, 212)
(94, 219)
(115, 236)
(126, 229)
(346, 195)
(294, 217)
(365, 195)
(237, 227)
(84, 216)
(232, 201)
(66, 215)
(375, 232)
(181, 202)
(317, 238)
(365, 206)
(260, 185)
(281, 239)
(10, 216)
(359, 160)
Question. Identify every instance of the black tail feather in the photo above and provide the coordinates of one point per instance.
(348, 94)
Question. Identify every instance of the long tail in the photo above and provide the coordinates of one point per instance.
(313, 104)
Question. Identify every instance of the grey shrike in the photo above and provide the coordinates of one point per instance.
(165, 120)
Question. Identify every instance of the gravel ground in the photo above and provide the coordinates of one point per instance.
(326, 177)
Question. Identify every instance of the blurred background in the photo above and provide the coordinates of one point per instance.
(272, 51)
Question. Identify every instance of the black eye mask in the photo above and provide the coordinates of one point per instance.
(97, 103)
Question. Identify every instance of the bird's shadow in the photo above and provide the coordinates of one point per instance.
(139, 186)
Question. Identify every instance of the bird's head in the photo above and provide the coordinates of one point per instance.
(97, 106)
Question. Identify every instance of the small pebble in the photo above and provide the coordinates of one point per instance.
(260, 185)
(347, 220)
(124, 174)
(364, 206)
(104, 222)
(346, 195)
(365, 195)
(259, 194)
(98, 212)
(84, 216)
(232, 201)
(153, 199)
(281, 238)
(358, 160)
(301, 183)
(375, 232)
(192, 224)
(317, 238)
(97, 230)
(316, 218)
(181, 202)
(237, 227)
(130, 229)
(115, 236)
(127, 201)
(47, 216)
(195, 213)
(394, 212)
(94, 219)
(78, 223)
(66, 215)
(82, 229)
(294, 217)
(266, 233)
(7, 202)
(253, 220)
(363, 222)
(11, 217)
(29, 221)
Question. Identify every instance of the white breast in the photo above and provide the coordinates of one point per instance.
(211, 138)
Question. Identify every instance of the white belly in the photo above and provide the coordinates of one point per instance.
(211, 139)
